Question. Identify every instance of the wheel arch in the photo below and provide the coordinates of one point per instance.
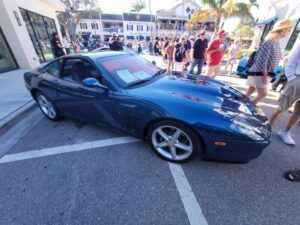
(33, 92)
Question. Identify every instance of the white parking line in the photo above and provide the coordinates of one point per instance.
(66, 149)
(187, 196)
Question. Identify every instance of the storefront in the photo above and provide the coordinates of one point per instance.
(7, 60)
(26, 31)
(40, 29)
(276, 13)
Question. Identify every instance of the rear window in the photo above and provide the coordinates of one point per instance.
(53, 68)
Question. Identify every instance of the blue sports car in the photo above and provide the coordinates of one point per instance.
(181, 115)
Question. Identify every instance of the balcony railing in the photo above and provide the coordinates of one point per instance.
(170, 27)
(113, 29)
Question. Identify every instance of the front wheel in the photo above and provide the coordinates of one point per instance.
(174, 141)
(47, 107)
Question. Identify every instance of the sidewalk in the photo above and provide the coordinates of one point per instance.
(14, 97)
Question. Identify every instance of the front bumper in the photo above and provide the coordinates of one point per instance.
(234, 150)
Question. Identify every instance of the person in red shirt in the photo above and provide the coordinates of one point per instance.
(215, 52)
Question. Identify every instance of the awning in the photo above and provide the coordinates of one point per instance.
(266, 21)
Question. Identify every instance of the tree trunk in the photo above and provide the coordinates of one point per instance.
(217, 25)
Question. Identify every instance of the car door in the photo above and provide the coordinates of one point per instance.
(82, 102)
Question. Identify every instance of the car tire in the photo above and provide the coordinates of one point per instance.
(173, 141)
(47, 107)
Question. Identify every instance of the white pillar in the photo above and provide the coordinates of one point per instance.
(16, 35)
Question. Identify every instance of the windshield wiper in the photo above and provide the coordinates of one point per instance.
(138, 82)
(161, 71)
(145, 80)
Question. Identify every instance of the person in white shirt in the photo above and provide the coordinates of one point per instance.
(290, 95)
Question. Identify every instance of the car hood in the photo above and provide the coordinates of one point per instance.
(194, 89)
(207, 103)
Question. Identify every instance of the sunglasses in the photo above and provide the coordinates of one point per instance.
(202, 34)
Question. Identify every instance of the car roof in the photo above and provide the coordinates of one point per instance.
(96, 55)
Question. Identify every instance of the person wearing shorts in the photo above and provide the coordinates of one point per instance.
(169, 53)
(290, 96)
(266, 61)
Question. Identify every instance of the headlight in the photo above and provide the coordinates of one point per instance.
(254, 129)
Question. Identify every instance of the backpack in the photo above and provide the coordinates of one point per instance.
(251, 59)
(179, 54)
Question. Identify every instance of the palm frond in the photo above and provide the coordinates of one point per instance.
(228, 6)
(240, 10)
(210, 3)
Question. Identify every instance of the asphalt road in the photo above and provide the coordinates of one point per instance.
(77, 173)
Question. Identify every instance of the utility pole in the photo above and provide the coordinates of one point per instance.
(150, 10)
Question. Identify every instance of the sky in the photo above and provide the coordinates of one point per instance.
(119, 6)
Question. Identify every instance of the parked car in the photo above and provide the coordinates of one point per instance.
(156, 60)
(242, 70)
(181, 115)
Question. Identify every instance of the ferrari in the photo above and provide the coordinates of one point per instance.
(180, 115)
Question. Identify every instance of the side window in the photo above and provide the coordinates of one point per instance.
(78, 69)
(53, 68)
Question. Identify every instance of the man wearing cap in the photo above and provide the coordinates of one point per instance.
(198, 53)
(215, 52)
(114, 44)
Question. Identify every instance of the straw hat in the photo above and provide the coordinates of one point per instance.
(282, 24)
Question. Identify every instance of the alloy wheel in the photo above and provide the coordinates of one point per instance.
(47, 107)
(172, 143)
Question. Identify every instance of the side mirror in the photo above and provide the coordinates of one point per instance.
(93, 82)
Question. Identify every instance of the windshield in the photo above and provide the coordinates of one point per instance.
(128, 69)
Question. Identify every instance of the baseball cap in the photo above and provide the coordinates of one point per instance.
(222, 32)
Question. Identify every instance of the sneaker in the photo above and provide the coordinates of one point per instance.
(286, 137)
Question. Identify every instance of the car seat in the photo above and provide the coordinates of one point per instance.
(79, 72)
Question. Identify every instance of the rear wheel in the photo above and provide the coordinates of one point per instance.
(47, 106)
(174, 141)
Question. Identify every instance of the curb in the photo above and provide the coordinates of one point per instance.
(10, 120)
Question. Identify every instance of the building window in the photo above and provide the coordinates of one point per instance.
(139, 27)
(129, 27)
(80, 26)
(84, 26)
(7, 61)
(40, 30)
(293, 37)
(94, 26)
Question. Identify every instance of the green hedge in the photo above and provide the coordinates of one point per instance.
(247, 52)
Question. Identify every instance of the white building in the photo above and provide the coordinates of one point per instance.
(172, 23)
(128, 25)
(278, 10)
(25, 32)
(138, 26)
(100, 25)
(112, 23)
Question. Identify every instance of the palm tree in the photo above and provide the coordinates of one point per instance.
(138, 5)
(219, 9)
